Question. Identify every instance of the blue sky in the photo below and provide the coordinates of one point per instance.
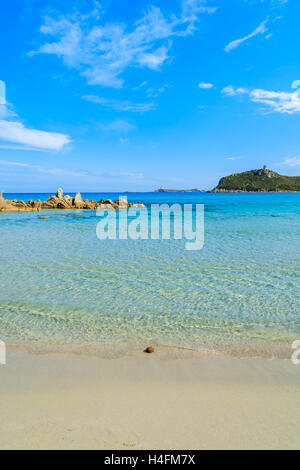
(131, 95)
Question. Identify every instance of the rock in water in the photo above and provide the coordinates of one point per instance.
(63, 202)
(78, 202)
(2, 200)
(122, 203)
(149, 350)
(60, 193)
(68, 201)
(107, 205)
(78, 197)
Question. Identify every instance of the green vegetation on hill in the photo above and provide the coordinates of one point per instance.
(262, 180)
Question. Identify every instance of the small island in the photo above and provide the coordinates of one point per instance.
(261, 180)
(164, 190)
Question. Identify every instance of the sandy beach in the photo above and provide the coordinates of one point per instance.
(158, 401)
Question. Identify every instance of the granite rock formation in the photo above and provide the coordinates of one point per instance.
(59, 201)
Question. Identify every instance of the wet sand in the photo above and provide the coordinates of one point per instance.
(185, 401)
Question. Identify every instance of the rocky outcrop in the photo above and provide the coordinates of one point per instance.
(60, 193)
(78, 202)
(108, 204)
(122, 203)
(59, 201)
(16, 206)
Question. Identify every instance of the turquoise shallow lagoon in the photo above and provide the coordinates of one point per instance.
(62, 289)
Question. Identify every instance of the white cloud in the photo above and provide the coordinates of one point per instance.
(280, 102)
(205, 85)
(274, 101)
(13, 131)
(231, 91)
(261, 29)
(123, 140)
(16, 132)
(292, 162)
(296, 84)
(103, 51)
(120, 105)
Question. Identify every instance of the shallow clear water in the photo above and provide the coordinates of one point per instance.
(61, 288)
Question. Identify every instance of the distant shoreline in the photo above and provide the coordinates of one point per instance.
(180, 191)
(195, 190)
(220, 191)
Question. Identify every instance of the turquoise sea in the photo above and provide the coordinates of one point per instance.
(62, 289)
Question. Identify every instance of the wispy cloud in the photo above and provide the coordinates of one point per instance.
(120, 105)
(18, 147)
(205, 85)
(277, 3)
(119, 125)
(103, 51)
(140, 85)
(13, 131)
(7, 163)
(155, 92)
(48, 171)
(235, 158)
(291, 162)
(273, 101)
(132, 175)
(2, 93)
(261, 29)
(274, 3)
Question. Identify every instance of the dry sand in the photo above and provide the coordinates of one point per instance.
(148, 402)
